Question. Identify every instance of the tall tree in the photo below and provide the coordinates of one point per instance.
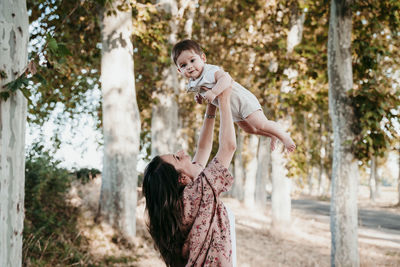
(263, 171)
(238, 170)
(344, 245)
(13, 61)
(251, 171)
(398, 178)
(373, 178)
(164, 120)
(121, 122)
(281, 184)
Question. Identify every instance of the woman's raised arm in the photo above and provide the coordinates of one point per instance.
(227, 137)
(206, 137)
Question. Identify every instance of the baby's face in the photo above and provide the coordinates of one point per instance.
(191, 64)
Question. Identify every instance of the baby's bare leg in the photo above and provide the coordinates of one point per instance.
(262, 124)
(252, 130)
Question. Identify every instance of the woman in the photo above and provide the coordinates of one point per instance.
(187, 221)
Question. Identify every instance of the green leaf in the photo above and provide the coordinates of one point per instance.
(3, 74)
(4, 95)
(52, 44)
(63, 50)
(18, 83)
(40, 79)
(27, 94)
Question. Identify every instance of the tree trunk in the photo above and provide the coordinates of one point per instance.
(238, 184)
(322, 154)
(281, 186)
(310, 181)
(263, 171)
(320, 174)
(344, 247)
(321, 180)
(190, 18)
(377, 181)
(121, 123)
(251, 171)
(372, 179)
(296, 30)
(398, 180)
(13, 61)
(164, 120)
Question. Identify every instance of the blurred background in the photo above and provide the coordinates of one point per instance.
(278, 50)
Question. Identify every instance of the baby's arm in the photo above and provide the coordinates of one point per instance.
(223, 81)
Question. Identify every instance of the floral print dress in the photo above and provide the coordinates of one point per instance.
(205, 218)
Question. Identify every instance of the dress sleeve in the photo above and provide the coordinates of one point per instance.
(219, 177)
(212, 181)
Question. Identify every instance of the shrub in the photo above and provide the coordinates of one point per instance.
(85, 174)
(50, 227)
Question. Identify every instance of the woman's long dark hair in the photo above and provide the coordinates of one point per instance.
(164, 206)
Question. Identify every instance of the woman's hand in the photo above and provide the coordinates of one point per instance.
(198, 98)
(204, 145)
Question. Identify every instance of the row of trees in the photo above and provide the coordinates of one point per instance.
(276, 49)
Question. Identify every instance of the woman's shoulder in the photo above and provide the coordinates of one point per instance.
(213, 180)
(219, 177)
(215, 165)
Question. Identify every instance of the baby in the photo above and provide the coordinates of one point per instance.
(210, 80)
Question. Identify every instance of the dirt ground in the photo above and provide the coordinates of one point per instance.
(305, 243)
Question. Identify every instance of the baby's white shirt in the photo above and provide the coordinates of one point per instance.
(206, 79)
(243, 102)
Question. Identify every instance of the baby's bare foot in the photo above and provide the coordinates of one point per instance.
(289, 144)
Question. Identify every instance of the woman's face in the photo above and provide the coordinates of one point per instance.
(183, 163)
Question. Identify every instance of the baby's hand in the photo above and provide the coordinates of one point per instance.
(210, 96)
(198, 98)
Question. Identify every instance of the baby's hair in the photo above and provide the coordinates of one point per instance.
(183, 46)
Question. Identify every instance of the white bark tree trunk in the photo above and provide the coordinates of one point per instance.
(321, 180)
(164, 120)
(398, 180)
(251, 171)
(310, 181)
(377, 180)
(372, 179)
(296, 30)
(344, 245)
(190, 17)
(14, 36)
(263, 171)
(322, 153)
(121, 123)
(238, 184)
(281, 187)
